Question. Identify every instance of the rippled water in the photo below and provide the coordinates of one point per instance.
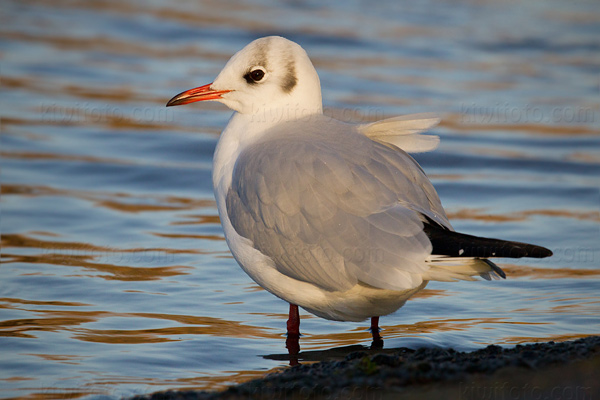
(115, 277)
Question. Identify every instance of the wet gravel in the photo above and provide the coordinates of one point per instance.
(571, 365)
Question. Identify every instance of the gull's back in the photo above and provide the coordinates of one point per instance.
(332, 207)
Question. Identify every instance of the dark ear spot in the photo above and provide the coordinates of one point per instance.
(289, 80)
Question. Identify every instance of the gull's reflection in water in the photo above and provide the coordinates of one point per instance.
(294, 356)
(292, 343)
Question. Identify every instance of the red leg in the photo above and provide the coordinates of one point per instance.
(375, 328)
(293, 322)
(377, 340)
(293, 334)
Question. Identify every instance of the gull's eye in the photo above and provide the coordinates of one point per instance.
(255, 75)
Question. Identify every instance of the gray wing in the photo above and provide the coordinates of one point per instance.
(334, 208)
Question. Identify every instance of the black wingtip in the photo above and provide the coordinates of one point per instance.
(454, 244)
(539, 252)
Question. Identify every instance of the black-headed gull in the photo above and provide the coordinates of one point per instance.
(333, 217)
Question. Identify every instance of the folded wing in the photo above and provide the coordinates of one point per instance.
(331, 207)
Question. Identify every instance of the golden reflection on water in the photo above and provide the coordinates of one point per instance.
(428, 293)
(580, 156)
(396, 331)
(31, 84)
(456, 123)
(82, 255)
(99, 198)
(54, 115)
(63, 157)
(77, 117)
(71, 321)
(72, 359)
(529, 339)
(487, 216)
(517, 271)
(110, 271)
(189, 236)
(200, 382)
(105, 44)
(60, 394)
(199, 219)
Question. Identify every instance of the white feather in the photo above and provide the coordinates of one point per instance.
(404, 132)
(447, 269)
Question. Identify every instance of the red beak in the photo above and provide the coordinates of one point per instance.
(197, 94)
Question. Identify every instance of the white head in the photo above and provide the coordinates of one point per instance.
(269, 73)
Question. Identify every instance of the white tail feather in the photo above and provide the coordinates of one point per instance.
(447, 269)
(403, 132)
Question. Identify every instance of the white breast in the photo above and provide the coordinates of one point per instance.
(237, 135)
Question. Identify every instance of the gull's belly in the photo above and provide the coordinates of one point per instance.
(355, 304)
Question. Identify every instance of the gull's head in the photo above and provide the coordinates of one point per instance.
(271, 73)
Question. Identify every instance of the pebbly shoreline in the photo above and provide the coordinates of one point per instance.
(551, 370)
